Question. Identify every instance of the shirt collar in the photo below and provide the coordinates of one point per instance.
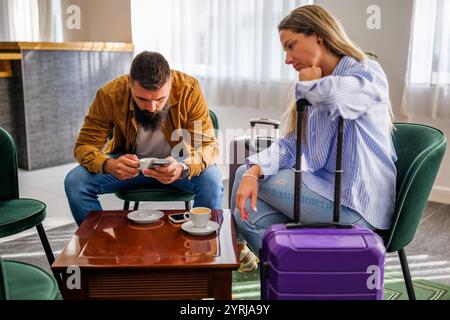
(171, 101)
(343, 65)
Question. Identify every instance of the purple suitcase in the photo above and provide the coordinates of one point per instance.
(321, 261)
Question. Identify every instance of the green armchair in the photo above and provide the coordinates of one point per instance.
(18, 214)
(23, 281)
(420, 150)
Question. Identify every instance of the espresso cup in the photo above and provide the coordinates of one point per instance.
(199, 216)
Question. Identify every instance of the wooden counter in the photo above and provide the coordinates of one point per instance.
(68, 46)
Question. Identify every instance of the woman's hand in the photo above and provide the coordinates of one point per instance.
(311, 73)
(248, 188)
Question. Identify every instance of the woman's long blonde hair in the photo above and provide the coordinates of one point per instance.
(309, 20)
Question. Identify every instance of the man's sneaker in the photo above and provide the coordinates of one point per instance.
(249, 261)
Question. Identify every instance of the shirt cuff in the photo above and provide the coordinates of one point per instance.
(302, 87)
(269, 166)
(98, 163)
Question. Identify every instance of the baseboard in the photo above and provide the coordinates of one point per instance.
(440, 194)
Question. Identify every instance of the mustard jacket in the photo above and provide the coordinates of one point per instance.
(112, 108)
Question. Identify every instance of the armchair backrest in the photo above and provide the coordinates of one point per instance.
(9, 184)
(420, 150)
(214, 120)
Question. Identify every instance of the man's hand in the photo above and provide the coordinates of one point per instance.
(167, 174)
(124, 167)
(311, 73)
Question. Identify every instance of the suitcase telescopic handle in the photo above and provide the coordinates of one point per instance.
(270, 122)
(301, 106)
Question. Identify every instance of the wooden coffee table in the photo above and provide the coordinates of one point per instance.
(111, 257)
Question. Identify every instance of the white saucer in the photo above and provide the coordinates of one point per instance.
(145, 216)
(188, 226)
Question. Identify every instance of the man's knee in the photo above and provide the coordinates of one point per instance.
(211, 180)
(76, 179)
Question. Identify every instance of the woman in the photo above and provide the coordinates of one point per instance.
(337, 78)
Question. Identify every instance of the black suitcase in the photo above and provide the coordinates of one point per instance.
(245, 146)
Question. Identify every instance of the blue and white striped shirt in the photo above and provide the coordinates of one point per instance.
(359, 92)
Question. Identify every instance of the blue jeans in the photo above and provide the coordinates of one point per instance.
(82, 188)
(276, 204)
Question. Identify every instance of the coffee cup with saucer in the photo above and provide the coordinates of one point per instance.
(199, 222)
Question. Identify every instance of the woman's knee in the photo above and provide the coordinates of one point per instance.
(239, 173)
(238, 177)
(236, 216)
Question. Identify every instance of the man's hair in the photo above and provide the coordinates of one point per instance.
(150, 69)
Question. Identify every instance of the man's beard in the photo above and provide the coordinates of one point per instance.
(150, 121)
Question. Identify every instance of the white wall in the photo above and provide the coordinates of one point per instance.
(391, 45)
(441, 188)
(101, 20)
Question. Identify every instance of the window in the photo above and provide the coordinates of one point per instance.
(427, 90)
(430, 45)
(215, 38)
(231, 46)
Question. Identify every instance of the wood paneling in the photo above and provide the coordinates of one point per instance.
(10, 56)
(148, 285)
(5, 69)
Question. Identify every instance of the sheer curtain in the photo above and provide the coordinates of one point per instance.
(30, 20)
(427, 88)
(231, 46)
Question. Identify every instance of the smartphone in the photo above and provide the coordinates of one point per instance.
(159, 162)
(177, 217)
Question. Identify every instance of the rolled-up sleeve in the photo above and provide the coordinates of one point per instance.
(347, 95)
(94, 134)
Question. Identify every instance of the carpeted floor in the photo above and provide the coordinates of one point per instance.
(246, 287)
(428, 258)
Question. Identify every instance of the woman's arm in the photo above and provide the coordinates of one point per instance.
(350, 95)
(281, 154)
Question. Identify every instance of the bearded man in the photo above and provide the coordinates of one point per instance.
(151, 112)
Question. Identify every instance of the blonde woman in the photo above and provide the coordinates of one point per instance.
(338, 79)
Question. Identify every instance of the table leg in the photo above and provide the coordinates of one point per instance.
(221, 289)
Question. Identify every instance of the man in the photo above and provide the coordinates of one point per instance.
(141, 115)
